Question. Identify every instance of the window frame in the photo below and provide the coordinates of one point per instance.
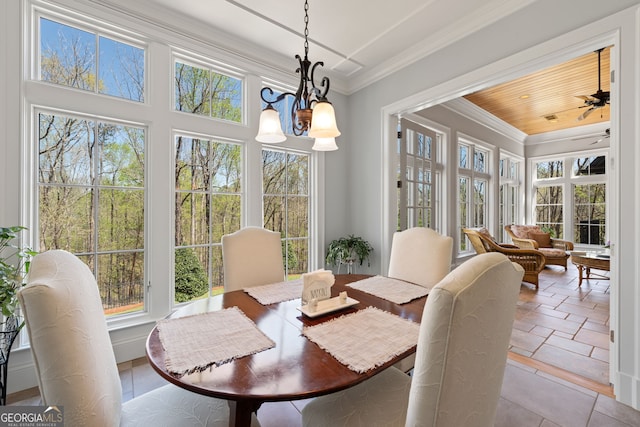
(567, 182)
(469, 172)
(156, 114)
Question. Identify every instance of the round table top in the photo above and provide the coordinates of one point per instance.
(295, 368)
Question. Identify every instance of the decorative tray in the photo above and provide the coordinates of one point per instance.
(327, 306)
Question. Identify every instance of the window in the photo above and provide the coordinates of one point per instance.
(419, 176)
(207, 206)
(473, 188)
(587, 166)
(285, 187)
(91, 197)
(89, 61)
(509, 194)
(207, 92)
(549, 209)
(550, 169)
(103, 147)
(283, 108)
(589, 213)
(572, 205)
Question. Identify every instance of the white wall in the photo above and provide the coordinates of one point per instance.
(508, 47)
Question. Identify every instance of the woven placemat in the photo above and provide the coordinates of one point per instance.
(394, 290)
(276, 292)
(365, 339)
(194, 343)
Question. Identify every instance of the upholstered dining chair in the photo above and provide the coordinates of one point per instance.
(74, 361)
(461, 355)
(420, 255)
(251, 256)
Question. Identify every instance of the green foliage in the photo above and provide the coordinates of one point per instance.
(347, 250)
(12, 262)
(549, 230)
(191, 279)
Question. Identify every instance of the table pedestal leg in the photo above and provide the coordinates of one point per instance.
(240, 412)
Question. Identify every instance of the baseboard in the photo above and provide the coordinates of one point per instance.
(628, 390)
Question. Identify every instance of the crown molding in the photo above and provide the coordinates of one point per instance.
(579, 132)
(472, 112)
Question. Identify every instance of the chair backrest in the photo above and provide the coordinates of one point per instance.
(251, 256)
(70, 344)
(478, 239)
(420, 255)
(463, 343)
(521, 231)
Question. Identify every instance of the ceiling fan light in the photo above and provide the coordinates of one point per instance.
(325, 144)
(323, 121)
(270, 130)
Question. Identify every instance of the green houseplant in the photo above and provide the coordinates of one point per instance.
(348, 250)
(14, 262)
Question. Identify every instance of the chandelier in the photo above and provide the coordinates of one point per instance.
(311, 112)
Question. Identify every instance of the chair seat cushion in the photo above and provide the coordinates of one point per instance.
(553, 253)
(172, 406)
(343, 408)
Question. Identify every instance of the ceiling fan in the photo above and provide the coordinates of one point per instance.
(598, 99)
(605, 135)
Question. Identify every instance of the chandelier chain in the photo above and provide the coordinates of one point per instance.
(306, 28)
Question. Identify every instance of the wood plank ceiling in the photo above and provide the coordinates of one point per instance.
(548, 100)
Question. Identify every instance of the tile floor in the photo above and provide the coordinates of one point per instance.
(559, 326)
(564, 325)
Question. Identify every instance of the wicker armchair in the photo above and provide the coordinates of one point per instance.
(531, 260)
(557, 254)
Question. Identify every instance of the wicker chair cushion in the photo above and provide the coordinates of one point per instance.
(543, 239)
(522, 231)
(486, 233)
(553, 253)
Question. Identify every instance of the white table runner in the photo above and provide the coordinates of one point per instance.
(394, 290)
(194, 343)
(276, 292)
(365, 339)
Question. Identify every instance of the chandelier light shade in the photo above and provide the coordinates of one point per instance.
(323, 121)
(311, 112)
(325, 144)
(270, 130)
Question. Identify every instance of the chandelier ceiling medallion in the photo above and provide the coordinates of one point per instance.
(310, 109)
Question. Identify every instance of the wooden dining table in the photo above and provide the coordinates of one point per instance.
(295, 368)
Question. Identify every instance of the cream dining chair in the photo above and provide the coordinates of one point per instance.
(420, 255)
(251, 256)
(74, 360)
(461, 355)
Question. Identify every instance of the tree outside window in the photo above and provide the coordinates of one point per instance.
(91, 201)
(208, 189)
(207, 92)
(285, 204)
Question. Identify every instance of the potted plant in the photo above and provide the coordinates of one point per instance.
(348, 250)
(14, 263)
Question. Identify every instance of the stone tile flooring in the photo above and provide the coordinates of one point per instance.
(558, 326)
(564, 325)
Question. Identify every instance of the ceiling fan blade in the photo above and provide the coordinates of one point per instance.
(585, 98)
(586, 113)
